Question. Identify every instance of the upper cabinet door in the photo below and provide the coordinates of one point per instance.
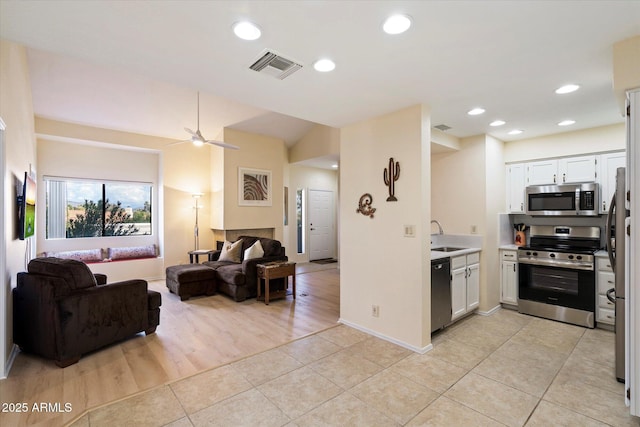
(609, 163)
(577, 169)
(542, 172)
(515, 178)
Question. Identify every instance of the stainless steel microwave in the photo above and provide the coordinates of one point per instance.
(563, 200)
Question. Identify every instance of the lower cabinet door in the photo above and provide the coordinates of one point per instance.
(458, 292)
(473, 287)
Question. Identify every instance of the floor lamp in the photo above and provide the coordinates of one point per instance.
(195, 228)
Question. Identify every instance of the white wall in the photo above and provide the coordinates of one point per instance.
(18, 154)
(457, 190)
(595, 140)
(256, 152)
(182, 170)
(468, 192)
(307, 178)
(378, 264)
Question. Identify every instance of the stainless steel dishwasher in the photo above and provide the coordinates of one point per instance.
(440, 293)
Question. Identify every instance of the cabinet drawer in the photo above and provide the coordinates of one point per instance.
(604, 315)
(603, 302)
(458, 262)
(605, 280)
(473, 258)
(603, 264)
(509, 255)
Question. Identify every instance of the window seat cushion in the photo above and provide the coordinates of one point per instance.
(87, 256)
(132, 252)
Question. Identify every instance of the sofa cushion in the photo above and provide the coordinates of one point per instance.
(271, 247)
(231, 274)
(231, 251)
(76, 274)
(254, 251)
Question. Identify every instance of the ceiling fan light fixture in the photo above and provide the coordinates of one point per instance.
(197, 142)
(247, 30)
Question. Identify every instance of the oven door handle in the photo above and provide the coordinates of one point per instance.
(611, 298)
(559, 264)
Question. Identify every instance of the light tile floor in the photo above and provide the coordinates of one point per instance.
(504, 369)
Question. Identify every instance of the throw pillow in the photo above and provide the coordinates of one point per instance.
(231, 251)
(255, 251)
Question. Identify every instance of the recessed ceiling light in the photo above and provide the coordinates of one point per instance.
(566, 123)
(334, 166)
(567, 89)
(497, 123)
(515, 132)
(475, 111)
(247, 30)
(324, 65)
(396, 24)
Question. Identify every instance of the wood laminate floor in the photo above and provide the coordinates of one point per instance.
(193, 336)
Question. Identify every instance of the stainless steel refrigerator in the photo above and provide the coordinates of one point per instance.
(616, 247)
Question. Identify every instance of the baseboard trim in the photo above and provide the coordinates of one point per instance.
(490, 312)
(420, 350)
(12, 358)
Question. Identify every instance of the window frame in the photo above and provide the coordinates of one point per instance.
(102, 183)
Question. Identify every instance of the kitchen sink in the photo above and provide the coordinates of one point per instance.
(447, 249)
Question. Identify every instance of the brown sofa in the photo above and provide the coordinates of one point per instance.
(62, 311)
(239, 280)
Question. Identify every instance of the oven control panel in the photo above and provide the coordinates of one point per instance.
(556, 259)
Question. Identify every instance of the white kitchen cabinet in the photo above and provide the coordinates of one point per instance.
(562, 171)
(509, 277)
(605, 280)
(516, 183)
(458, 292)
(609, 162)
(473, 286)
(465, 284)
(577, 169)
(542, 172)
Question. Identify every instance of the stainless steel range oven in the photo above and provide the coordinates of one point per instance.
(557, 278)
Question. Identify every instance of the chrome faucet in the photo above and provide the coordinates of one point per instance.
(440, 231)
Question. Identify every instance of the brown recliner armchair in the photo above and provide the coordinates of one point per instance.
(62, 311)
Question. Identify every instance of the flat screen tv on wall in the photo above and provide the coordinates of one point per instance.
(27, 208)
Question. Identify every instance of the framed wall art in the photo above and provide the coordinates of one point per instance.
(254, 187)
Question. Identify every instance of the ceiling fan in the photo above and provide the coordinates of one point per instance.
(199, 140)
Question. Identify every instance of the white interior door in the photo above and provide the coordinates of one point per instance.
(320, 224)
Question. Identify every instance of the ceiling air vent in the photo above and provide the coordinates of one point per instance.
(275, 65)
(443, 127)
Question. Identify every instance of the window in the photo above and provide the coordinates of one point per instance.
(79, 208)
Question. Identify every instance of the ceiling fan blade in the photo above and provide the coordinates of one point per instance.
(179, 142)
(223, 144)
(191, 132)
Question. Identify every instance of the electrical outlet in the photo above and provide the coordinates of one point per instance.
(375, 310)
(474, 229)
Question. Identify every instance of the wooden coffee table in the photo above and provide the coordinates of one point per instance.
(276, 270)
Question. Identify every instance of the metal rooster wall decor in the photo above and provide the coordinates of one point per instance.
(391, 175)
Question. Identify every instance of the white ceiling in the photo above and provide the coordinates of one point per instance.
(137, 65)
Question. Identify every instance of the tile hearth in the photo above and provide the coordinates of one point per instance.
(504, 369)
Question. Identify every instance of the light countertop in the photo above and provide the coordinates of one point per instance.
(436, 254)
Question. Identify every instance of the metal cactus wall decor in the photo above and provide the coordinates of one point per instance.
(364, 205)
(391, 175)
